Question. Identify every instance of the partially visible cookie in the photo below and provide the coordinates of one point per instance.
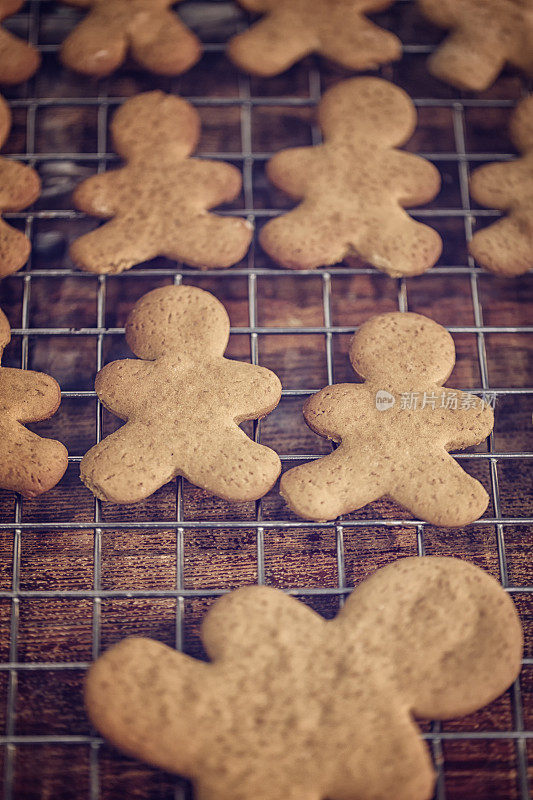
(294, 707)
(159, 201)
(19, 187)
(395, 430)
(148, 29)
(29, 464)
(485, 35)
(355, 186)
(183, 402)
(291, 29)
(18, 59)
(506, 246)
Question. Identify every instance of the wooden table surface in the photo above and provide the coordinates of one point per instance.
(68, 591)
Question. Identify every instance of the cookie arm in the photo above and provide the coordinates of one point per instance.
(289, 169)
(332, 410)
(222, 181)
(152, 703)
(28, 396)
(101, 195)
(471, 422)
(20, 185)
(499, 185)
(266, 50)
(413, 179)
(15, 249)
(120, 385)
(248, 391)
(471, 57)
(30, 464)
(18, 60)
(356, 42)
(490, 246)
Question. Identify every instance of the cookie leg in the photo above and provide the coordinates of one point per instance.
(439, 491)
(466, 62)
(94, 48)
(267, 49)
(209, 241)
(505, 247)
(398, 245)
(232, 466)
(324, 489)
(129, 465)
(302, 239)
(114, 247)
(165, 47)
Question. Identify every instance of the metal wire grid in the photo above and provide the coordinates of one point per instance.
(246, 101)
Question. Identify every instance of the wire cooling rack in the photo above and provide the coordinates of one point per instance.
(76, 576)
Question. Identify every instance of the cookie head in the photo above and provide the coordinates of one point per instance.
(178, 319)
(403, 347)
(155, 122)
(369, 109)
(522, 125)
(452, 633)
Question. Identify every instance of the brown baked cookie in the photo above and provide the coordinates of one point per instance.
(18, 59)
(506, 246)
(395, 430)
(159, 201)
(291, 29)
(19, 187)
(355, 186)
(154, 35)
(294, 707)
(29, 464)
(183, 402)
(485, 35)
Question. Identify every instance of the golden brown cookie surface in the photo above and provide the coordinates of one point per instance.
(291, 29)
(395, 430)
(159, 201)
(506, 246)
(154, 35)
(485, 35)
(18, 59)
(183, 402)
(296, 707)
(355, 186)
(19, 187)
(29, 464)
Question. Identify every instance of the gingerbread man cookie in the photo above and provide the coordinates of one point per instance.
(29, 464)
(294, 707)
(18, 59)
(159, 200)
(395, 430)
(291, 29)
(19, 187)
(184, 402)
(485, 34)
(154, 35)
(355, 186)
(506, 246)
